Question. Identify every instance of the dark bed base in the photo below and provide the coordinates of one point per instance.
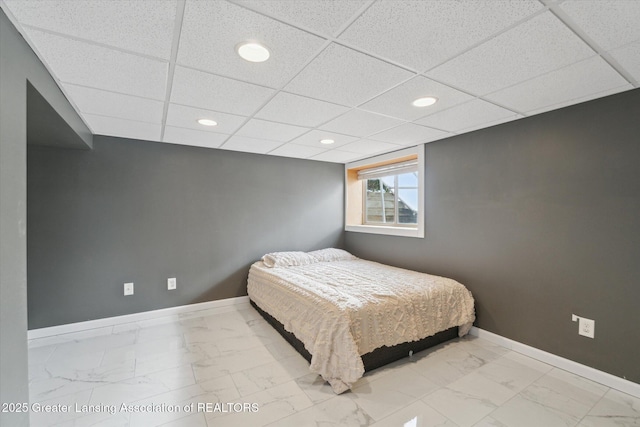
(375, 359)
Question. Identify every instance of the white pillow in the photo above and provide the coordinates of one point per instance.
(332, 254)
(286, 259)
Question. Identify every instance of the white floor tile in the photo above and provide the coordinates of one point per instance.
(100, 420)
(129, 391)
(613, 410)
(42, 417)
(250, 381)
(315, 387)
(195, 420)
(39, 355)
(143, 350)
(75, 380)
(522, 412)
(338, 411)
(510, 373)
(218, 390)
(418, 414)
(391, 393)
(169, 359)
(273, 405)
(452, 362)
(462, 408)
(231, 356)
(489, 422)
(230, 363)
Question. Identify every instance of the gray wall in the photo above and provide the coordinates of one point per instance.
(13, 260)
(139, 211)
(18, 66)
(539, 218)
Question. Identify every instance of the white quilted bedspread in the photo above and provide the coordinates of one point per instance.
(343, 309)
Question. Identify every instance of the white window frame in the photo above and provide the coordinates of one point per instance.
(354, 205)
(396, 199)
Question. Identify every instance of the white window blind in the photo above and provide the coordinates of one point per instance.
(390, 169)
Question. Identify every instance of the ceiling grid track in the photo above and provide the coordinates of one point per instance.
(566, 20)
(180, 6)
(326, 44)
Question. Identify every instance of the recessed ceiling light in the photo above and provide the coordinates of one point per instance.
(253, 52)
(424, 102)
(327, 141)
(207, 122)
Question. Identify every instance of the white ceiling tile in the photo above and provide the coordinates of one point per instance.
(272, 131)
(368, 146)
(470, 114)
(537, 46)
(88, 65)
(538, 65)
(629, 57)
(314, 137)
(142, 26)
(193, 137)
(409, 134)
(211, 92)
(186, 117)
(337, 156)
(298, 151)
(251, 145)
(491, 123)
(96, 101)
(323, 16)
(212, 29)
(360, 123)
(422, 34)
(111, 126)
(573, 82)
(397, 101)
(610, 23)
(581, 99)
(346, 77)
(299, 110)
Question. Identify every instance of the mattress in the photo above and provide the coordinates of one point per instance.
(341, 307)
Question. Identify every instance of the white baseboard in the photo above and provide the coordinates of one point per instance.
(135, 317)
(603, 378)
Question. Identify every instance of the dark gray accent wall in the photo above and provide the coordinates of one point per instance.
(19, 67)
(139, 211)
(539, 218)
(13, 260)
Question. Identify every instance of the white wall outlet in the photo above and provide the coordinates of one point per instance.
(586, 327)
(171, 283)
(128, 288)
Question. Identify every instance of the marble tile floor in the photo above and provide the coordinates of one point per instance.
(228, 367)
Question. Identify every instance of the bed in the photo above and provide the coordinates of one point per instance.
(340, 311)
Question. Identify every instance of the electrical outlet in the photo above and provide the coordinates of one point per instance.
(128, 288)
(586, 327)
(171, 283)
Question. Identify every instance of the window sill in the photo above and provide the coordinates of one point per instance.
(385, 230)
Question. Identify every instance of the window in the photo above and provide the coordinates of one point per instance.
(384, 194)
(391, 194)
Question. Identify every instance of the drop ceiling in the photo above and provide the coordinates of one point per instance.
(341, 70)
